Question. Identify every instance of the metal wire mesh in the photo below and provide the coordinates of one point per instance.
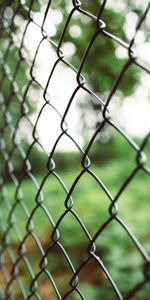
(14, 109)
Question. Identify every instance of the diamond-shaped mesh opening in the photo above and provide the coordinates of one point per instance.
(74, 180)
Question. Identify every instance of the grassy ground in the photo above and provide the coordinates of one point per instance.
(114, 246)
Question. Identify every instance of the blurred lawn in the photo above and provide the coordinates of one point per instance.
(114, 246)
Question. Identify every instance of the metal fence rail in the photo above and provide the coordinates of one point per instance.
(14, 107)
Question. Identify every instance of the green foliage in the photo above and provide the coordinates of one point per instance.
(112, 162)
(14, 76)
(102, 65)
(113, 246)
(100, 153)
(21, 6)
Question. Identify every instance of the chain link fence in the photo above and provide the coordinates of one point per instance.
(26, 276)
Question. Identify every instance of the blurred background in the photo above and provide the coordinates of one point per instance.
(112, 157)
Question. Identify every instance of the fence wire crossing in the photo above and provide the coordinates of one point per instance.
(14, 107)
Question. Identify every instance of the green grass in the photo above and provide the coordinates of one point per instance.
(114, 246)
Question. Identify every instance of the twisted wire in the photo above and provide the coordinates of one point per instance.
(11, 124)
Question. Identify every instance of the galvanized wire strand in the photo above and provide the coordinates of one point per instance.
(7, 154)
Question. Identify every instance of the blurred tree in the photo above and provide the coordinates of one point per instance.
(14, 77)
(106, 57)
(13, 65)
